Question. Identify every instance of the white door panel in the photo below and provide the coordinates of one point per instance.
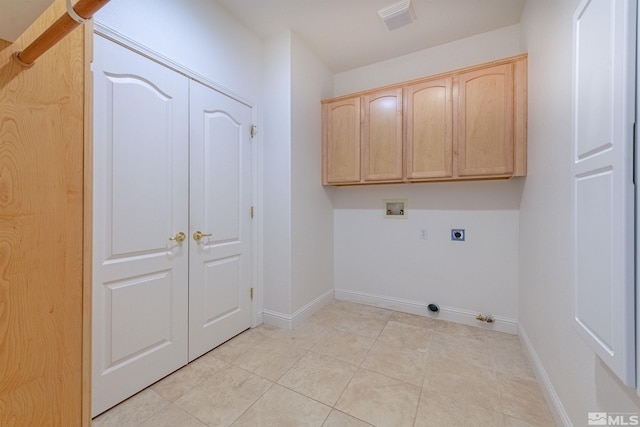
(220, 198)
(140, 277)
(603, 188)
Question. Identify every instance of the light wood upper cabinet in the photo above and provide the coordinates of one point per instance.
(429, 127)
(466, 124)
(382, 136)
(341, 136)
(485, 121)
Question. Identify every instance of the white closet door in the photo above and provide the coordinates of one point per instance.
(140, 276)
(220, 200)
(603, 188)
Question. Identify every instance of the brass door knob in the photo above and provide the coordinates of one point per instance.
(179, 237)
(199, 235)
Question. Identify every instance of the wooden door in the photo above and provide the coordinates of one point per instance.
(603, 201)
(485, 122)
(43, 360)
(140, 275)
(382, 136)
(341, 141)
(220, 193)
(429, 127)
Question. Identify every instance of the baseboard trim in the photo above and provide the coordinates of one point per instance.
(553, 400)
(290, 321)
(452, 314)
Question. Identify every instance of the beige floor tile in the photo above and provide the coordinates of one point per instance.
(221, 399)
(437, 410)
(516, 422)
(236, 347)
(270, 358)
(185, 379)
(133, 411)
(172, 416)
(513, 361)
(367, 361)
(319, 377)
(461, 330)
(266, 330)
(281, 407)
(523, 399)
(402, 334)
(463, 349)
(304, 336)
(345, 346)
(329, 317)
(414, 320)
(466, 383)
(380, 400)
(361, 324)
(504, 340)
(395, 361)
(340, 419)
(363, 309)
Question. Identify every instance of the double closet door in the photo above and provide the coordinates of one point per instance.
(172, 223)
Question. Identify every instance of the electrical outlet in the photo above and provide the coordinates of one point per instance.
(423, 234)
(457, 234)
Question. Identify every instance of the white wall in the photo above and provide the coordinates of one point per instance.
(298, 221)
(312, 212)
(386, 260)
(462, 53)
(581, 383)
(198, 34)
(275, 134)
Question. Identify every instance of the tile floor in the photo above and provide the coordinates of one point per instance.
(348, 365)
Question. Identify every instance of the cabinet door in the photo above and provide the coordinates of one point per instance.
(429, 126)
(485, 122)
(341, 138)
(382, 136)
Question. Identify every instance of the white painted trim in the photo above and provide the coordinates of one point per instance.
(259, 320)
(452, 314)
(291, 321)
(129, 43)
(553, 400)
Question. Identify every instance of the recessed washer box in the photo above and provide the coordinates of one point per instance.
(395, 208)
(457, 234)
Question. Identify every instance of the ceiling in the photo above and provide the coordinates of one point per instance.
(347, 34)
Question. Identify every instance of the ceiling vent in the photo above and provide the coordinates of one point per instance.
(397, 15)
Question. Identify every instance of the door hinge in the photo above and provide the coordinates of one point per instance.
(251, 212)
(253, 130)
(251, 294)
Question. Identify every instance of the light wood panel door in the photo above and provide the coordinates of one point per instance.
(382, 149)
(485, 113)
(220, 209)
(429, 129)
(42, 321)
(341, 136)
(141, 203)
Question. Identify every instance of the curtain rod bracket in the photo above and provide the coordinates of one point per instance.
(59, 29)
(16, 58)
(73, 14)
